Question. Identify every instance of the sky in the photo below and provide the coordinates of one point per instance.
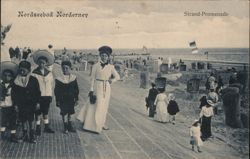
(127, 24)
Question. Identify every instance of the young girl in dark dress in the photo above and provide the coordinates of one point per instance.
(173, 108)
(66, 92)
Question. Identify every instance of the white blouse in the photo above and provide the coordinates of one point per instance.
(104, 74)
(206, 111)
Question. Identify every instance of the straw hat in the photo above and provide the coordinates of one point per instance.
(210, 102)
(43, 53)
(8, 65)
(195, 121)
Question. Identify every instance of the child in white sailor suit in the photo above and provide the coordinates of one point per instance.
(46, 82)
(8, 110)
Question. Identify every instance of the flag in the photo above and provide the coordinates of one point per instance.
(193, 47)
(195, 50)
(192, 44)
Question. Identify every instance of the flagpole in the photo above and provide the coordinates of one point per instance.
(207, 60)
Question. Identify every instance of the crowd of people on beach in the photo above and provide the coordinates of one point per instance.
(163, 108)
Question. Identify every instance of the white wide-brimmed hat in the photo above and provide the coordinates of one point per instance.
(8, 65)
(210, 102)
(45, 54)
(195, 121)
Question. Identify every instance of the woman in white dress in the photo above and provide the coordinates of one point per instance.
(161, 103)
(103, 74)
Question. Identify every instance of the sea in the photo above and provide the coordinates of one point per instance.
(219, 54)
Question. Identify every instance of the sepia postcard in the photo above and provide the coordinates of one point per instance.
(124, 79)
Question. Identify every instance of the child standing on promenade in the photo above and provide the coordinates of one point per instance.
(161, 103)
(195, 133)
(26, 94)
(66, 92)
(46, 81)
(8, 110)
(173, 108)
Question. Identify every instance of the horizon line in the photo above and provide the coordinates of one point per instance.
(155, 48)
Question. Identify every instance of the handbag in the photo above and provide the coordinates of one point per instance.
(92, 99)
(192, 141)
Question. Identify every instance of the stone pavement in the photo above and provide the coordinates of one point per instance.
(48, 146)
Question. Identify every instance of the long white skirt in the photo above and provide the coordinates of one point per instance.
(161, 112)
(94, 115)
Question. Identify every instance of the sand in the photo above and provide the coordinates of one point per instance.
(231, 141)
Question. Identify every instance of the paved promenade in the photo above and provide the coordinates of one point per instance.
(132, 135)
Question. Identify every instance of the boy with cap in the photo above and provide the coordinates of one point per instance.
(46, 81)
(66, 92)
(8, 73)
(25, 94)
